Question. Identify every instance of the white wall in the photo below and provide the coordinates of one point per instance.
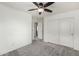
(15, 29)
(63, 29)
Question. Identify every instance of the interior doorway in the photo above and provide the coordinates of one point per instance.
(37, 28)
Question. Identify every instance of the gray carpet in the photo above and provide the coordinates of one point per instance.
(40, 48)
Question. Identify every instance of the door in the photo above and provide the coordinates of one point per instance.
(66, 32)
(76, 34)
(35, 30)
(40, 30)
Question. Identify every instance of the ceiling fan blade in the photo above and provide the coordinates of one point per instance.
(35, 3)
(48, 10)
(48, 4)
(40, 13)
(32, 9)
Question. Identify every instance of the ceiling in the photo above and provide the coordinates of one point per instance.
(24, 6)
(57, 7)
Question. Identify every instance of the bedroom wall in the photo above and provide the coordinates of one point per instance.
(15, 29)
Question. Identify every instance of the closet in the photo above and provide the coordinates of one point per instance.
(76, 33)
(62, 31)
(66, 32)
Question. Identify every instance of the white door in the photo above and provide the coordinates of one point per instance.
(40, 28)
(66, 32)
(76, 34)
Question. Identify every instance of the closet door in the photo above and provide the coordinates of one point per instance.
(66, 32)
(76, 34)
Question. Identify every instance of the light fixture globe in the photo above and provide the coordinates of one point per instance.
(40, 10)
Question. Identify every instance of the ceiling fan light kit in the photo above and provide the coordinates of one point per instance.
(40, 10)
(42, 7)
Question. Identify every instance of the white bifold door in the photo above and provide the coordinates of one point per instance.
(76, 34)
(63, 31)
(66, 32)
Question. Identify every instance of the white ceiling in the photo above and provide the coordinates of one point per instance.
(57, 7)
(24, 6)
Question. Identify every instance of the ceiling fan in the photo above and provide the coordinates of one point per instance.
(42, 7)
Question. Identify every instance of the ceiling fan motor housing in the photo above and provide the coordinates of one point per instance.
(40, 5)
